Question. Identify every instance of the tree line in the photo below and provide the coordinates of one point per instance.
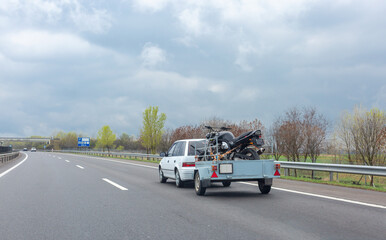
(299, 134)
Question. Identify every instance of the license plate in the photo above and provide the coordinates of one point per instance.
(226, 168)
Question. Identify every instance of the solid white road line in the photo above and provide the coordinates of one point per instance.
(2, 174)
(67, 161)
(322, 196)
(114, 184)
(80, 167)
(253, 184)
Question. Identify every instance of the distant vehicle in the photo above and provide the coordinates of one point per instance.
(179, 162)
(33, 149)
(25, 149)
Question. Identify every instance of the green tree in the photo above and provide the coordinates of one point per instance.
(67, 140)
(124, 141)
(105, 138)
(151, 132)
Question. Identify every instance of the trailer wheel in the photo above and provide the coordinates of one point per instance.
(200, 190)
(226, 183)
(179, 182)
(162, 179)
(264, 189)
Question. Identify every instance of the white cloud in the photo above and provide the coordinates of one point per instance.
(50, 13)
(192, 23)
(150, 5)
(249, 56)
(38, 45)
(95, 21)
(152, 55)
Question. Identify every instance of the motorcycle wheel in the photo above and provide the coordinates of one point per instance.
(251, 154)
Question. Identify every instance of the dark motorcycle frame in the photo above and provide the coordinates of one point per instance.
(222, 145)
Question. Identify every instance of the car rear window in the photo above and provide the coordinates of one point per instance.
(196, 147)
(179, 149)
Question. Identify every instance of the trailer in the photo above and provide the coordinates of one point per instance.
(213, 163)
(228, 171)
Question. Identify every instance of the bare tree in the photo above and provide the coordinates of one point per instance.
(188, 132)
(245, 126)
(343, 131)
(364, 132)
(275, 139)
(368, 135)
(166, 140)
(291, 134)
(315, 127)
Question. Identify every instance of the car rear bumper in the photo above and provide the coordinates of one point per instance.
(186, 174)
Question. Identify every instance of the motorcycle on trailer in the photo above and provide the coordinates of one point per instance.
(248, 146)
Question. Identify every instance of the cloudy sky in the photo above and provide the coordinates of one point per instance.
(77, 65)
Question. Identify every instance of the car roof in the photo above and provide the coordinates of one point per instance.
(191, 140)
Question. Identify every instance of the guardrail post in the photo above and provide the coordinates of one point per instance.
(331, 176)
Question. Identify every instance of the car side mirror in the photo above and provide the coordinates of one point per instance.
(163, 154)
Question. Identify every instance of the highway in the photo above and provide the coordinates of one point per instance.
(64, 196)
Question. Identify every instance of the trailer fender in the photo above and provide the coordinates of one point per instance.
(205, 179)
(266, 181)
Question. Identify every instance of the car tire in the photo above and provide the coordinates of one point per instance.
(179, 182)
(264, 189)
(199, 189)
(162, 179)
(226, 183)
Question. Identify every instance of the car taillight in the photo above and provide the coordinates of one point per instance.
(188, 164)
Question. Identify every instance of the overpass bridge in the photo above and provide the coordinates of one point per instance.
(24, 139)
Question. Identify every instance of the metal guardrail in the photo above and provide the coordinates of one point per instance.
(8, 156)
(117, 154)
(339, 168)
(332, 168)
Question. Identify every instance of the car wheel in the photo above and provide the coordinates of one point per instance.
(226, 183)
(162, 179)
(179, 183)
(264, 189)
(200, 190)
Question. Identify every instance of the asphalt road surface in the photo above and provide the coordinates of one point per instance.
(63, 196)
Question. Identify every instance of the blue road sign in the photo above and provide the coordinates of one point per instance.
(84, 142)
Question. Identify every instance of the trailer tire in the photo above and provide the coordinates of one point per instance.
(162, 179)
(264, 189)
(179, 182)
(199, 189)
(226, 183)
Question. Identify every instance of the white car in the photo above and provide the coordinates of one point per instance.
(179, 162)
(33, 149)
